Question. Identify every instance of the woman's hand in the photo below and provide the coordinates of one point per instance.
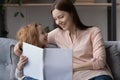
(76, 67)
(18, 49)
(22, 61)
(84, 66)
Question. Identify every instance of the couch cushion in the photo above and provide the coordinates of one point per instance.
(113, 57)
(5, 61)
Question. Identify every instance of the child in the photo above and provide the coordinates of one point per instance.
(33, 34)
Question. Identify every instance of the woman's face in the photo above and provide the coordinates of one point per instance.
(62, 18)
(42, 35)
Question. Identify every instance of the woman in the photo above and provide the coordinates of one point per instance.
(33, 34)
(89, 57)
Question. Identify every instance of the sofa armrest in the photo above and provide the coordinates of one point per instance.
(5, 59)
(113, 57)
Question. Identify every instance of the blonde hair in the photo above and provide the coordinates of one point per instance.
(29, 34)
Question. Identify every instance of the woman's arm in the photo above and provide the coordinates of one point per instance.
(99, 57)
(85, 66)
(99, 54)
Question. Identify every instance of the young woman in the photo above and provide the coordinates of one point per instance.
(89, 57)
(33, 34)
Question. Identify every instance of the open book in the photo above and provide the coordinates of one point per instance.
(48, 63)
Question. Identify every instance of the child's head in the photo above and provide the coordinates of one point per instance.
(33, 34)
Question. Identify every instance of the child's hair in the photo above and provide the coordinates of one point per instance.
(29, 34)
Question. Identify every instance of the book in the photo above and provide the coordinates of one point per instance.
(34, 67)
(48, 63)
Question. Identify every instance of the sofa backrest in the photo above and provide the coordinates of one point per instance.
(5, 58)
(113, 57)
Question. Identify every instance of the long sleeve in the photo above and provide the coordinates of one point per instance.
(51, 37)
(99, 55)
(88, 45)
(19, 74)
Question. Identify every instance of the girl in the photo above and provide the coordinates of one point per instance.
(33, 34)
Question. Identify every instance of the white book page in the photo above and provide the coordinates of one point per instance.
(34, 67)
(58, 64)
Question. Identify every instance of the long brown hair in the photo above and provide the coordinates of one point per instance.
(29, 34)
(67, 5)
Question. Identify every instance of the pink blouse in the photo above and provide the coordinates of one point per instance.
(86, 45)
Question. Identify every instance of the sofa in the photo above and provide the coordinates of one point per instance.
(8, 60)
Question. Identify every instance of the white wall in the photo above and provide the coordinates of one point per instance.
(90, 15)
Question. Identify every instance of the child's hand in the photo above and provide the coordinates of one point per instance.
(18, 49)
(22, 61)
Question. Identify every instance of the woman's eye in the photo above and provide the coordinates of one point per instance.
(61, 16)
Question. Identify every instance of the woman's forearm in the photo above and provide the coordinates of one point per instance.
(84, 66)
